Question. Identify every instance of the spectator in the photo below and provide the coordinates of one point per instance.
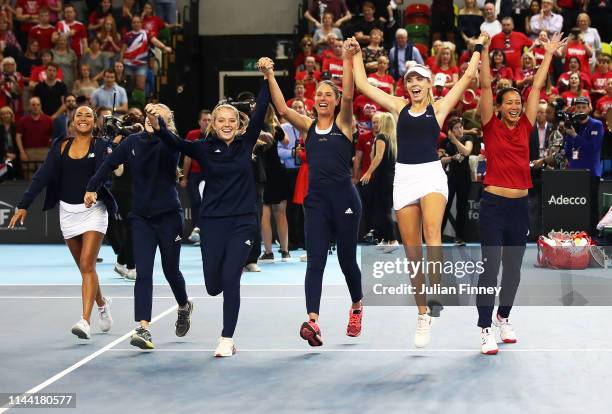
(7, 37)
(121, 78)
(75, 30)
(326, 51)
(403, 51)
(51, 92)
(538, 50)
(519, 11)
(574, 66)
(577, 47)
(135, 50)
(66, 59)
(29, 59)
(95, 59)
(546, 19)
(320, 35)
(439, 91)
(64, 116)
(309, 76)
(306, 49)
(34, 135)
(604, 104)
(499, 69)
(583, 149)
(39, 73)
(8, 143)
(490, 25)
(11, 86)
(43, 31)
(383, 80)
(590, 36)
(470, 19)
(300, 92)
(363, 25)
(534, 10)
(373, 51)
(85, 85)
(575, 90)
(26, 13)
(193, 173)
(55, 8)
(109, 38)
(435, 49)
(166, 10)
(151, 23)
(442, 20)
(524, 76)
(96, 18)
(104, 95)
(337, 7)
(446, 64)
(600, 76)
(570, 10)
(7, 12)
(512, 43)
(334, 65)
(128, 9)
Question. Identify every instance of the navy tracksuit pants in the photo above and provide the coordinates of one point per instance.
(504, 226)
(163, 231)
(332, 212)
(225, 243)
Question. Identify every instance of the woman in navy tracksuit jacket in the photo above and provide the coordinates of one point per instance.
(69, 164)
(227, 212)
(156, 218)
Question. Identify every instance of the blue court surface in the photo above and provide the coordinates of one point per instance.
(561, 363)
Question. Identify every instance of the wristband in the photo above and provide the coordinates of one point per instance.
(478, 48)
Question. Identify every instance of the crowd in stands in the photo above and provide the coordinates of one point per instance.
(57, 54)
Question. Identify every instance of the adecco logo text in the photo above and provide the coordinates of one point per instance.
(567, 201)
(6, 210)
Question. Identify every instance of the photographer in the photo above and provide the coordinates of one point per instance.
(11, 85)
(583, 140)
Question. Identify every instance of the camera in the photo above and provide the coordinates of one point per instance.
(243, 105)
(113, 126)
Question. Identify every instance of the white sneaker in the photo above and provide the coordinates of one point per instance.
(194, 237)
(105, 321)
(506, 331)
(130, 274)
(391, 247)
(252, 267)
(489, 344)
(225, 348)
(304, 258)
(82, 329)
(120, 269)
(422, 335)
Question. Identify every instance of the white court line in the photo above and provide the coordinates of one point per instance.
(88, 358)
(171, 297)
(418, 351)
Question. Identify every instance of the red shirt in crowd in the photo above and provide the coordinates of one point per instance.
(400, 89)
(359, 104)
(512, 45)
(507, 152)
(42, 35)
(194, 135)
(310, 82)
(569, 96)
(577, 49)
(39, 74)
(599, 80)
(334, 66)
(472, 99)
(152, 25)
(430, 61)
(563, 81)
(383, 82)
(604, 104)
(80, 32)
(364, 144)
(439, 93)
(544, 96)
(308, 103)
(35, 133)
(448, 72)
(30, 8)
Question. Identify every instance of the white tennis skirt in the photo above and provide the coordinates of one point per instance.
(414, 181)
(76, 219)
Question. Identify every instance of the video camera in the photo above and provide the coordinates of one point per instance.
(113, 126)
(571, 119)
(245, 102)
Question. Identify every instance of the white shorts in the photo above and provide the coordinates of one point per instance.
(76, 219)
(414, 181)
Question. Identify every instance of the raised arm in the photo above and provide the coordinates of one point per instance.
(486, 93)
(539, 80)
(345, 117)
(393, 104)
(256, 122)
(301, 122)
(115, 159)
(446, 104)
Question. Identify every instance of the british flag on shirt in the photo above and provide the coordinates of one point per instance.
(137, 48)
(79, 33)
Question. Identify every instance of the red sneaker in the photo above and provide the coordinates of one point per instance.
(354, 324)
(311, 332)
